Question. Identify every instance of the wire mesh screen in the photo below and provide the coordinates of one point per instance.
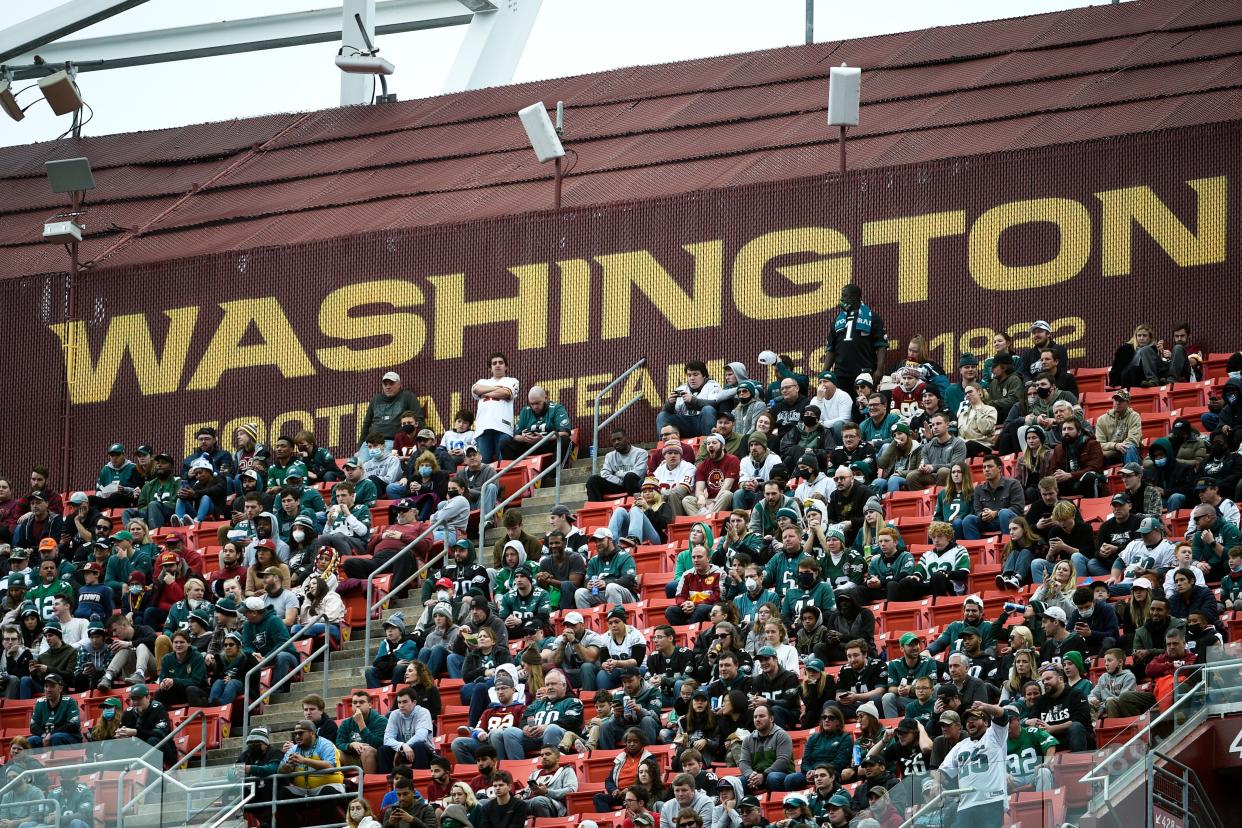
(1093, 237)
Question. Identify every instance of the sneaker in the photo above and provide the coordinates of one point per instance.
(105, 683)
(1009, 581)
(462, 730)
(136, 677)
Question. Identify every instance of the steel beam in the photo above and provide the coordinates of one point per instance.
(236, 36)
(53, 24)
(493, 46)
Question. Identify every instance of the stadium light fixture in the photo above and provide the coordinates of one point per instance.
(545, 138)
(73, 176)
(844, 92)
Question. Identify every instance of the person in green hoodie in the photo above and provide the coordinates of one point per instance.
(700, 535)
(829, 744)
(361, 735)
(263, 633)
(183, 674)
(512, 559)
(123, 560)
(886, 569)
(56, 719)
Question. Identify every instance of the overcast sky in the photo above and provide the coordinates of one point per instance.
(569, 37)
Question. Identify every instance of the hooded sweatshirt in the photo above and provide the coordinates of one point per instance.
(282, 548)
(701, 804)
(265, 636)
(728, 817)
(726, 400)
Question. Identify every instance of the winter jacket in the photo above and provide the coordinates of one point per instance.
(1119, 433)
(384, 413)
(1083, 456)
(64, 717)
(265, 636)
(772, 753)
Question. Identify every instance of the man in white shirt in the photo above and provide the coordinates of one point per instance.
(835, 405)
(494, 419)
(980, 764)
(756, 466)
(1149, 552)
(676, 475)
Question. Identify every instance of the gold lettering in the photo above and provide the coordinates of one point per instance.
(304, 419)
(640, 383)
(1140, 205)
(913, 236)
(699, 308)
(279, 346)
(825, 275)
(554, 387)
(528, 307)
(333, 414)
(587, 388)
(93, 380)
(1072, 220)
(403, 334)
(575, 301)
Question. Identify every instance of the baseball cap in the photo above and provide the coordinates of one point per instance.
(868, 759)
(1121, 394)
(426, 434)
(144, 450)
(138, 690)
(1132, 468)
(273, 570)
(38, 494)
(814, 665)
(47, 543)
(91, 567)
(602, 532)
(950, 717)
(404, 505)
(351, 463)
(563, 511)
(753, 802)
(116, 448)
(768, 652)
(573, 618)
(645, 819)
(1121, 498)
(794, 800)
(1150, 524)
(1141, 583)
(391, 376)
(77, 497)
(973, 599)
(1055, 613)
(767, 357)
(53, 678)
(168, 559)
(840, 799)
(1041, 325)
(1203, 483)
(906, 726)
(908, 639)
(254, 604)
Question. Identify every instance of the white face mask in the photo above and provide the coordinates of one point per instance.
(299, 535)
(752, 584)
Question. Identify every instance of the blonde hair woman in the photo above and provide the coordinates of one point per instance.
(1057, 591)
(976, 420)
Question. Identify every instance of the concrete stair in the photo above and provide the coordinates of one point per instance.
(345, 667)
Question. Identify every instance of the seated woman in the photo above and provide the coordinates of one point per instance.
(1035, 462)
(1024, 546)
(976, 421)
(479, 670)
(953, 503)
(319, 599)
(648, 519)
(899, 457)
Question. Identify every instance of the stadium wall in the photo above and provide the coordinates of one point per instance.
(1094, 237)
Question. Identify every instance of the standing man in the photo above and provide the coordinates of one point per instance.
(857, 343)
(384, 412)
(980, 763)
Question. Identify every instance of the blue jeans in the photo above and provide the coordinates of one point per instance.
(155, 515)
(894, 483)
(436, 659)
(1175, 501)
(224, 692)
(205, 508)
(1019, 563)
(633, 522)
(396, 491)
(489, 444)
(1089, 566)
(54, 740)
(285, 663)
(974, 526)
(512, 743)
(777, 781)
(1040, 569)
(488, 495)
(689, 425)
(455, 663)
(315, 630)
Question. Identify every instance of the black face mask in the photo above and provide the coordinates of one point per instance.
(806, 580)
(1044, 392)
(1194, 629)
(408, 429)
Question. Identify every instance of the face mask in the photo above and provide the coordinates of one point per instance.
(1160, 461)
(299, 535)
(442, 595)
(1043, 392)
(810, 422)
(1086, 613)
(408, 429)
(425, 471)
(109, 713)
(1194, 629)
(752, 584)
(134, 589)
(806, 580)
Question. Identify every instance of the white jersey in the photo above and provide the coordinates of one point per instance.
(1137, 556)
(682, 475)
(496, 415)
(981, 765)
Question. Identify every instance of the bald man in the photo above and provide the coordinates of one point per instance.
(538, 418)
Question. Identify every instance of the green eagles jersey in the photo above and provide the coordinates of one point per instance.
(899, 567)
(534, 605)
(931, 562)
(566, 713)
(849, 570)
(900, 673)
(781, 573)
(748, 607)
(619, 565)
(1026, 751)
(796, 599)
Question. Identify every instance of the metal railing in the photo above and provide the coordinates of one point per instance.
(615, 414)
(373, 605)
(529, 485)
(228, 812)
(323, 797)
(53, 811)
(325, 649)
(201, 747)
(934, 802)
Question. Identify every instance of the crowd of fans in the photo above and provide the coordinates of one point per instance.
(769, 612)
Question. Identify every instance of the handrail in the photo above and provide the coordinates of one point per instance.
(316, 797)
(595, 405)
(529, 485)
(1099, 771)
(426, 566)
(44, 800)
(94, 766)
(248, 705)
(240, 803)
(197, 714)
(929, 803)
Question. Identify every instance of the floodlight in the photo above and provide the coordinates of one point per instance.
(61, 92)
(70, 175)
(844, 89)
(540, 132)
(8, 103)
(364, 65)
